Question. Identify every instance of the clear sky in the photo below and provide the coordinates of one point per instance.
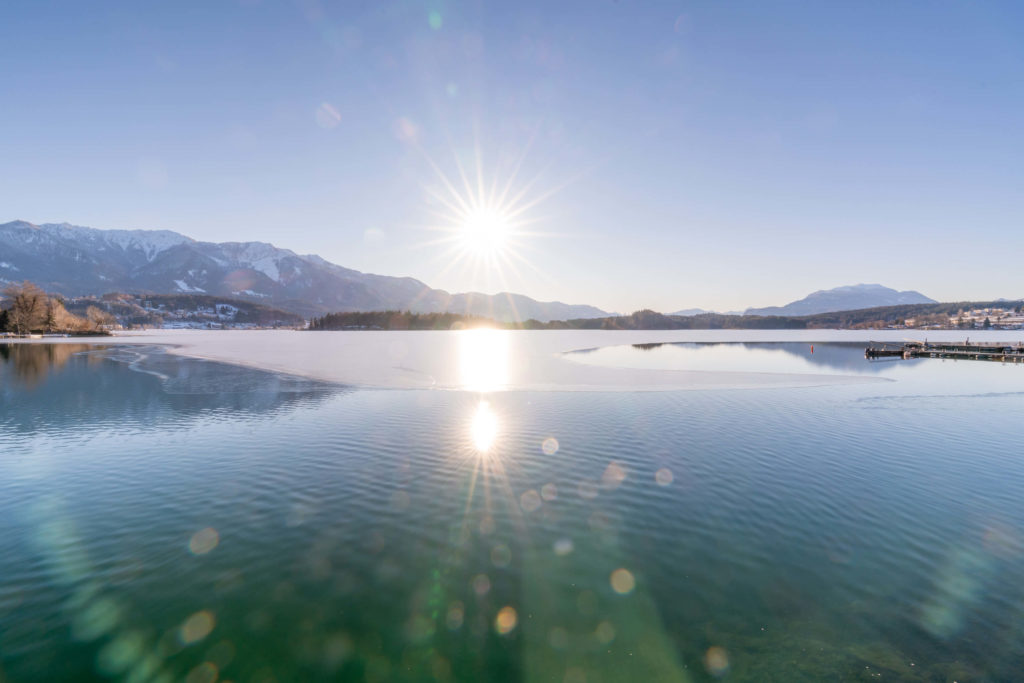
(711, 153)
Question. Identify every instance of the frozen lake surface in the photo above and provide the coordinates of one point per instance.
(524, 360)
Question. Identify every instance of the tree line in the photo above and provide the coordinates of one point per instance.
(26, 309)
(640, 320)
(866, 318)
(396, 320)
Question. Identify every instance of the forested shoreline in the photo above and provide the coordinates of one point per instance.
(27, 309)
(936, 314)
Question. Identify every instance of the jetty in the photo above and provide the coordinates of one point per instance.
(1003, 352)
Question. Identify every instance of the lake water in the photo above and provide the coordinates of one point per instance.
(766, 514)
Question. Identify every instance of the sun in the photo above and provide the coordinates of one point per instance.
(487, 222)
(485, 232)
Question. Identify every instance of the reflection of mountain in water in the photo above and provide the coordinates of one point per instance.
(55, 386)
(836, 355)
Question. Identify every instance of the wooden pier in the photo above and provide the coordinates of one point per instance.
(1003, 352)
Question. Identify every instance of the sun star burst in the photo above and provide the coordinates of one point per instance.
(485, 223)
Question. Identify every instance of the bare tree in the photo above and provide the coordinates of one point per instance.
(28, 306)
(65, 321)
(49, 317)
(98, 318)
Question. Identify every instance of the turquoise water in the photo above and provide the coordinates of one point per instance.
(172, 519)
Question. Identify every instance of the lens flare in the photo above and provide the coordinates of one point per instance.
(506, 620)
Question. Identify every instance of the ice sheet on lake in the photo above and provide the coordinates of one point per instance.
(487, 360)
(479, 360)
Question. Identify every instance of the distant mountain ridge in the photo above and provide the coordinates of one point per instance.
(687, 312)
(846, 298)
(75, 261)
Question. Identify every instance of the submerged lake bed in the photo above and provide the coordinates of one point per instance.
(788, 516)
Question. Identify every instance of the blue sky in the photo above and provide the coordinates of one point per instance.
(710, 153)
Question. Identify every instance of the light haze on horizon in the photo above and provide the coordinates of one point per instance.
(681, 154)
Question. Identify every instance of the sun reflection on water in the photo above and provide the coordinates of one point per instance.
(484, 427)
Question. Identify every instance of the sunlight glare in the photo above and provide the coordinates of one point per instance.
(483, 359)
(484, 232)
(485, 221)
(484, 428)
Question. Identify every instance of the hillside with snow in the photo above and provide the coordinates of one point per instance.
(77, 261)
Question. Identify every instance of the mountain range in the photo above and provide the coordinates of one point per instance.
(847, 298)
(76, 261)
(688, 312)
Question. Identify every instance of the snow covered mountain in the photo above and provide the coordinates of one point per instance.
(848, 298)
(75, 261)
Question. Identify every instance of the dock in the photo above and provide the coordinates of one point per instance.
(1003, 352)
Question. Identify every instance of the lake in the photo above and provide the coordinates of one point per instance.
(508, 506)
